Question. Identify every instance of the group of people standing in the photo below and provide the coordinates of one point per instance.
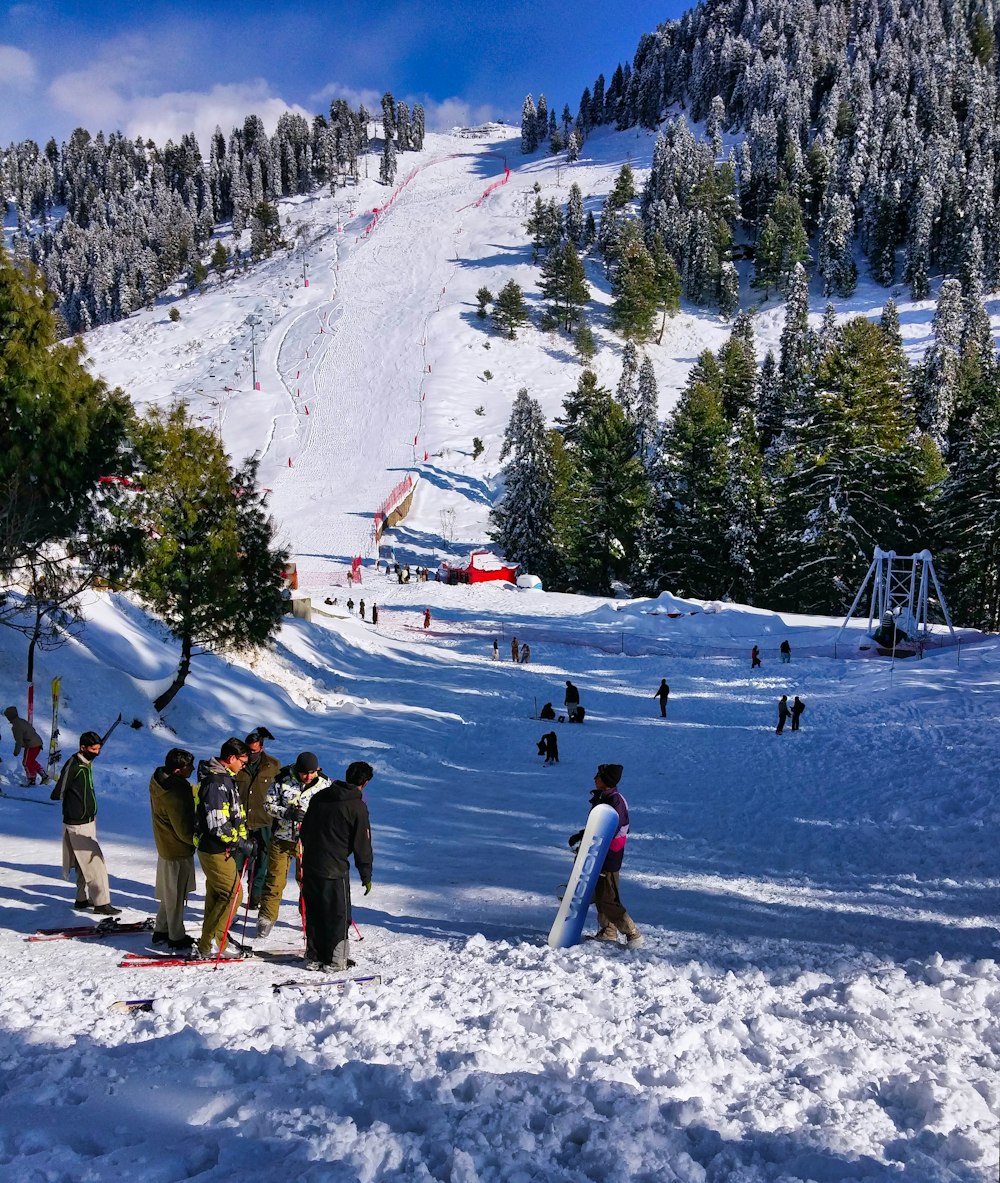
(785, 711)
(245, 814)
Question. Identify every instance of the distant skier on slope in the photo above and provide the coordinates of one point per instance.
(611, 913)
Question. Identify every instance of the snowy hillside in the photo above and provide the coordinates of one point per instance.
(382, 358)
(819, 993)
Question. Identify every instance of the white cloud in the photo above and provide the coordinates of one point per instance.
(17, 69)
(90, 97)
(170, 115)
(438, 116)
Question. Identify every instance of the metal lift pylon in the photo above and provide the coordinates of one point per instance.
(900, 586)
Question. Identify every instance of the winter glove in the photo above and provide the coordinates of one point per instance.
(295, 813)
(575, 839)
(368, 887)
(243, 849)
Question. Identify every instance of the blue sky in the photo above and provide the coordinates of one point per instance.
(160, 67)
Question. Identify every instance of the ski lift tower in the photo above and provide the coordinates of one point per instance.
(900, 585)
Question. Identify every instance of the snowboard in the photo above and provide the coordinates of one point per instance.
(567, 928)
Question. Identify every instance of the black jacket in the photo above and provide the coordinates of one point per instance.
(336, 826)
(75, 787)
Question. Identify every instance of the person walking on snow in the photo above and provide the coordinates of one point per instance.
(662, 692)
(786, 652)
(350, 605)
(375, 614)
(754, 657)
(496, 650)
(254, 779)
(427, 618)
(798, 706)
(514, 651)
(80, 848)
(27, 739)
(361, 609)
(335, 827)
(571, 701)
(287, 800)
(171, 803)
(220, 835)
(783, 714)
(612, 916)
(525, 653)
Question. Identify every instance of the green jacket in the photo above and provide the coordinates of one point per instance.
(253, 781)
(75, 787)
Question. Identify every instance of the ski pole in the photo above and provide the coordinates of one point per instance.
(251, 873)
(354, 925)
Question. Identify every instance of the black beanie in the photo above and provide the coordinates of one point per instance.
(306, 762)
(611, 774)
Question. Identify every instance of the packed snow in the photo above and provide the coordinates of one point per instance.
(818, 994)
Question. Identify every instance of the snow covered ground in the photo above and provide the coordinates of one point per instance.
(819, 993)
(818, 997)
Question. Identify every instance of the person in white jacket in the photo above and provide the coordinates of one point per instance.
(287, 798)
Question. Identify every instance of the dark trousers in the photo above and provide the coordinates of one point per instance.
(781, 725)
(663, 708)
(328, 915)
(795, 722)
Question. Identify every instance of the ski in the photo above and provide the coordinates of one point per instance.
(54, 753)
(131, 1006)
(105, 928)
(151, 961)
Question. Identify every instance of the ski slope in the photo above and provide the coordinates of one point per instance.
(819, 993)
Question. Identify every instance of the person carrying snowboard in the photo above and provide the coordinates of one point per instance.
(798, 706)
(611, 914)
(662, 692)
(783, 714)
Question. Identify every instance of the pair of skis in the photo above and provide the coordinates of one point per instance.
(110, 927)
(130, 1006)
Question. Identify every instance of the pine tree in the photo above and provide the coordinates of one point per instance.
(939, 379)
(575, 215)
(65, 428)
(635, 293)
(564, 284)
(647, 409)
(627, 390)
(387, 165)
(529, 126)
(682, 537)
(509, 311)
(667, 282)
(522, 523)
(746, 505)
(612, 490)
(209, 565)
(858, 475)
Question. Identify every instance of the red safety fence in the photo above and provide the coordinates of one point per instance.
(399, 493)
